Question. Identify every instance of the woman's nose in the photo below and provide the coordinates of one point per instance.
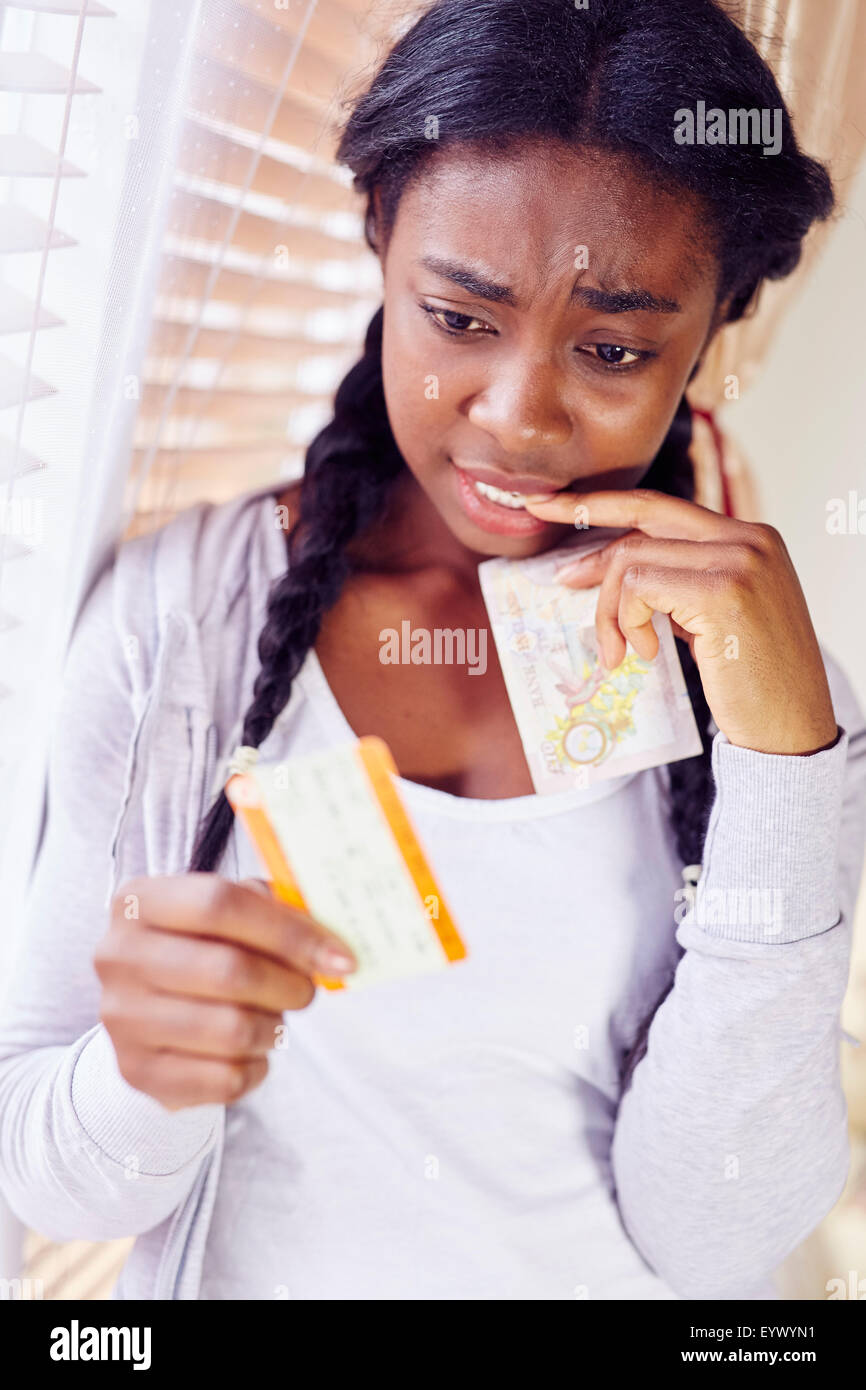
(523, 409)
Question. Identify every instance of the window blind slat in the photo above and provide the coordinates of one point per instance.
(205, 430)
(73, 7)
(18, 313)
(202, 464)
(21, 230)
(169, 339)
(266, 411)
(188, 278)
(35, 74)
(208, 219)
(267, 379)
(12, 385)
(208, 154)
(27, 462)
(23, 157)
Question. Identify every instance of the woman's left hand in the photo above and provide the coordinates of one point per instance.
(731, 592)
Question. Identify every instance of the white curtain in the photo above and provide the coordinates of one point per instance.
(106, 282)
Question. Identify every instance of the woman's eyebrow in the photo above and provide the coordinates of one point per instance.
(607, 301)
(624, 301)
(469, 280)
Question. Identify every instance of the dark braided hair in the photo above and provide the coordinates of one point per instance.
(493, 74)
(348, 469)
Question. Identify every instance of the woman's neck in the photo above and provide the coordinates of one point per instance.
(411, 535)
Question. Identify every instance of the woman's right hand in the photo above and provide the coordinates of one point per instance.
(196, 971)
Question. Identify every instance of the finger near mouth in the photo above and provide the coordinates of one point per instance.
(548, 499)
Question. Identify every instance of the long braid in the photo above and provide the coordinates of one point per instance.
(349, 467)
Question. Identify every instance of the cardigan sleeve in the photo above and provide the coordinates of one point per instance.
(82, 1153)
(731, 1143)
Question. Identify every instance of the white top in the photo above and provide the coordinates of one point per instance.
(447, 1136)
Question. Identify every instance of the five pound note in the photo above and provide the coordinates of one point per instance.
(333, 835)
(579, 725)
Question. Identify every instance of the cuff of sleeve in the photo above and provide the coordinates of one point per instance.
(770, 870)
(131, 1128)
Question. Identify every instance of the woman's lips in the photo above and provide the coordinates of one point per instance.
(506, 482)
(496, 517)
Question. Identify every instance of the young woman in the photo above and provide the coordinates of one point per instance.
(606, 1099)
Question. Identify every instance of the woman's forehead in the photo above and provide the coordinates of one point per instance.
(532, 217)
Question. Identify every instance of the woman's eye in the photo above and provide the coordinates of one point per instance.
(615, 355)
(455, 324)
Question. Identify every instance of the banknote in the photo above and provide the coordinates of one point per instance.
(579, 725)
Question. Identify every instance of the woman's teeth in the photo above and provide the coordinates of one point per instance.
(496, 494)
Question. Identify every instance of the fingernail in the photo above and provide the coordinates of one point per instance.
(331, 958)
(538, 496)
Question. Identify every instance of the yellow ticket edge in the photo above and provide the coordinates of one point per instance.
(379, 766)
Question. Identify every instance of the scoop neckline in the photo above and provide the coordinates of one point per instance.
(313, 682)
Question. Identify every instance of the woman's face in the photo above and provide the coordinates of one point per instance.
(578, 299)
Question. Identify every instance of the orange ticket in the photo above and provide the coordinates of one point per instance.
(334, 838)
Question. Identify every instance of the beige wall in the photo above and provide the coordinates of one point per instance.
(803, 429)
